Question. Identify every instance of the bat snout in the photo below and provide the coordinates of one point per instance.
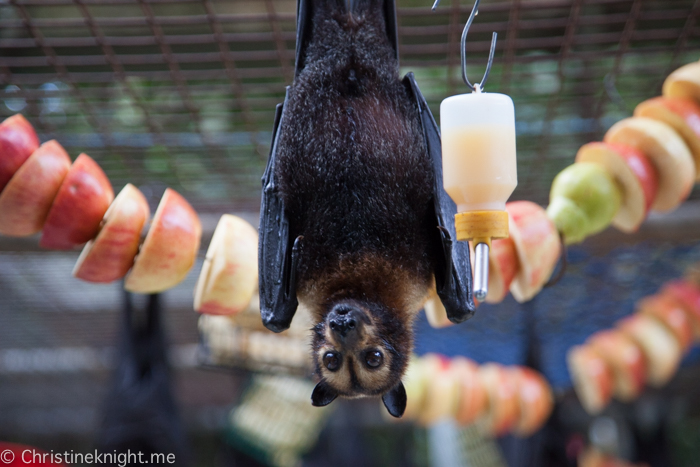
(346, 322)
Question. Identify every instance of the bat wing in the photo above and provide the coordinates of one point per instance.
(277, 254)
(453, 277)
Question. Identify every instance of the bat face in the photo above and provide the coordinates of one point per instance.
(358, 350)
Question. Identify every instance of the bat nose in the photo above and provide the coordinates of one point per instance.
(343, 325)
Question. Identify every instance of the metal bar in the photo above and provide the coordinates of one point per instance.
(454, 33)
(282, 52)
(621, 51)
(511, 38)
(232, 72)
(682, 38)
(117, 67)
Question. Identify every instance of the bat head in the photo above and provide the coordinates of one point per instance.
(361, 350)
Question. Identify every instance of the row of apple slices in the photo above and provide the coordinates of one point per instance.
(645, 348)
(648, 162)
(500, 399)
(74, 204)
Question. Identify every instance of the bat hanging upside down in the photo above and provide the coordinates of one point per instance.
(355, 224)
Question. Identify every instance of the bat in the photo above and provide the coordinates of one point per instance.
(355, 224)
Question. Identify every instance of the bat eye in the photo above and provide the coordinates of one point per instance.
(331, 361)
(374, 358)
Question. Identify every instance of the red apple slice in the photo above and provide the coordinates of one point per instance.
(27, 197)
(503, 266)
(684, 83)
(535, 398)
(18, 141)
(626, 360)
(229, 275)
(473, 400)
(688, 296)
(502, 392)
(592, 378)
(683, 115)
(537, 245)
(666, 151)
(442, 393)
(661, 348)
(170, 248)
(672, 314)
(79, 206)
(634, 174)
(111, 254)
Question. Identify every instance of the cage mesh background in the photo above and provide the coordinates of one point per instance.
(182, 92)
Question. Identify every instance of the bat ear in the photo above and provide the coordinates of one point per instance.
(323, 395)
(395, 400)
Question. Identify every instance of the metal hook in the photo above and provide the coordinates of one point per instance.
(476, 87)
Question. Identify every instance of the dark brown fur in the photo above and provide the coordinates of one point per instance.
(356, 181)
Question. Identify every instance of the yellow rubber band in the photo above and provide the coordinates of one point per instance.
(481, 226)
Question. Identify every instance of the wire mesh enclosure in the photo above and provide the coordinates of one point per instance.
(182, 92)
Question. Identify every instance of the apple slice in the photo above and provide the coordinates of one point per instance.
(591, 376)
(661, 348)
(635, 175)
(79, 206)
(442, 392)
(27, 197)
(626, 360)
(230, 271)
(672, 314)
(684, 82)
(473, 400)
(502, 392)
(683, 115)
(415, 382)
(18, 141)
(170, 248)
(435, 311)
(503, 266)
(537, 245)
(535, 398)
(688, 296)
(111, 254)
(666, 151)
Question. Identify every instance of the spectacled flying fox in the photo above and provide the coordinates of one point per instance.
(355, 224)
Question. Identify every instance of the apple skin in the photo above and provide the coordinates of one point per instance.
(18, 141)
(229, 275)
(537, 245)
(671, 314)
(666, 150)
(535, 398)
(26, 200)
(473, 400)
(683, 115)
(688, 296)
(569, 219)
(591, 187)
(634, 174)
(502, 391)
(79, 206)
(111, 254)
(170, 248)
(592, 378)
(626, 360)
(660, 346)
(503, 266)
